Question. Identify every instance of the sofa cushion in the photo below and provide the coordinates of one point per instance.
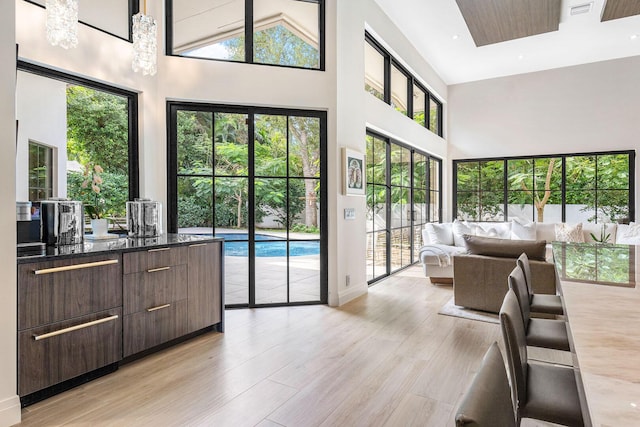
(546, 231)
(500, 230)
(628, 234)
(460, 228)
(505, 248)
(569, 233)
(523, 231)
(438, 234)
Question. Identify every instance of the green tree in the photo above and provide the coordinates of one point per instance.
(98, 128)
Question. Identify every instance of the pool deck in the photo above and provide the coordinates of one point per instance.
(271, 273)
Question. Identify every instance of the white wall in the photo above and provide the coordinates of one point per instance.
(356, 110)
(586, 108)
(42, 114)
(9, 402)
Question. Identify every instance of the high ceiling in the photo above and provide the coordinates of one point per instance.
(437, 29)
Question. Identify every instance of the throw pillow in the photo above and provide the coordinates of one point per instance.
(460, 228)
(439, 234)
(630, 236)
(500, 230)
(505, 248)
(569, 233)
(521, 231)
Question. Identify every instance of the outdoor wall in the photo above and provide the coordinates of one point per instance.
(9, 402)
(42, 116)
(586, 108)
(357, 110)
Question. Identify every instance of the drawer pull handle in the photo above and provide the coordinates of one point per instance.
(75, 266)
(74, 328)
(160, 307)
(153, 270)
(158, 250)
(198, 245)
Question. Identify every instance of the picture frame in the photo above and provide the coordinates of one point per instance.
(353, 170)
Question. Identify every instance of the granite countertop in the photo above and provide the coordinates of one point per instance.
(114, 244)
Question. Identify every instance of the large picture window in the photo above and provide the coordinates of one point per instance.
(254, 176)
(70, 127)
(386, 79)
(403, 193)
(596, 187)
(287, 33)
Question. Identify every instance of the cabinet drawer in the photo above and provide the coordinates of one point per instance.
(54, 291)
(154, 258)
(155, 287)
(54, 353)
(154, 326)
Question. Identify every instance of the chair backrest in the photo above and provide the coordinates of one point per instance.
(487, 401)
(523, 263)
(515, 341)
(519, 286)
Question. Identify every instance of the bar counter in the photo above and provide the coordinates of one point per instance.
(600, 287)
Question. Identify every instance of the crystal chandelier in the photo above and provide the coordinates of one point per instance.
(144, 43)
(62, 22)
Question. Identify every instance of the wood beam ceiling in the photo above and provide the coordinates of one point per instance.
(616, 9)
(495, 21)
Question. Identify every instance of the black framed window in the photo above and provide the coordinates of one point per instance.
(41, 169)
(593, 187)
(288, 33)
(403, 193)
(101, 130)
(257, 177)
(386, 79)
(112, 17)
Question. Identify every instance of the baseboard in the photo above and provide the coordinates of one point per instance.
(10, 411)
(350, 294)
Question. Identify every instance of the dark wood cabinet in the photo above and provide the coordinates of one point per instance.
(205, 305)
(154, 298)
(80, 313)
(52, 291)
(69, 319)
(51, 354)
(154, 326)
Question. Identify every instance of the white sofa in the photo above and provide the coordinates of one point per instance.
(442, 241)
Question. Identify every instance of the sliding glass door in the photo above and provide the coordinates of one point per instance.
(254, 176)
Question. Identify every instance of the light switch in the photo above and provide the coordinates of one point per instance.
(350, 213)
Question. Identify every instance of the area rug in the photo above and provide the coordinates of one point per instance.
(450, 309)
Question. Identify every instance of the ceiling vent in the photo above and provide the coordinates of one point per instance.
(580, 9)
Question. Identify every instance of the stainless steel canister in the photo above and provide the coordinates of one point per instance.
(23, 211)
(144, 218)
(61, 222)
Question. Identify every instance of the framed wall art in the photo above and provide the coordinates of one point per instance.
(353, 168)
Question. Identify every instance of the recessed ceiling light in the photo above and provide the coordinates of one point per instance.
(521, 56)
(455, 37)
(580, 9)
(633, 36)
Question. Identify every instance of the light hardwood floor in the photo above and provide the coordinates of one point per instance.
(385, 359)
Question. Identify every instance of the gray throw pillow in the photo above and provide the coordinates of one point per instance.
(505, 248)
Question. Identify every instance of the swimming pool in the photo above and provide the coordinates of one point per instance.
(267, 246)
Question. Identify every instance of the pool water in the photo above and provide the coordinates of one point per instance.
(267, 246)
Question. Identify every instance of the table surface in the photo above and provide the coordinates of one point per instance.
(601, 293)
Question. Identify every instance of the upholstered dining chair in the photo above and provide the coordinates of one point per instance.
(487, 401)
(541, 391)
(540, 303)
(547, 333)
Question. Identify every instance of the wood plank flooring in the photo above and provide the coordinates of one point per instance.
(385, 359)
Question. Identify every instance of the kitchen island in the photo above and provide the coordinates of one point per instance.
(84, 309)
(601, 296)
